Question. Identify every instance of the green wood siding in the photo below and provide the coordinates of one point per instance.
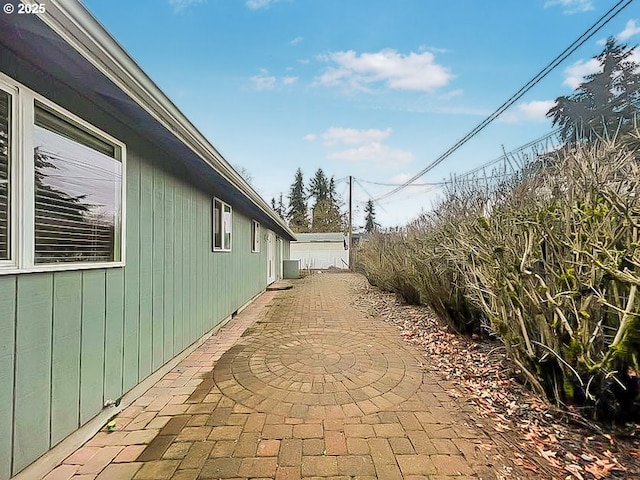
(130, 354)
(84, 337)
(65, 357)
(145, 330)
(32, 401)
(167, 296)
(157, 248)
(7, 345)
(114, 334)
(92, 354)
(179, 329)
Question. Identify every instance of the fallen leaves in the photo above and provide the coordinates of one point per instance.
(601, 468)
(480, 373)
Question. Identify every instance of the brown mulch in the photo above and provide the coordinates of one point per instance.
(563, 442)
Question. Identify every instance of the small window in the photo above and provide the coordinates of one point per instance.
(255, 236)
(78, 192)
(222, 225)
(5, 156)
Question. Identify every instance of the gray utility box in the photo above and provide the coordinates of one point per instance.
(291, 268)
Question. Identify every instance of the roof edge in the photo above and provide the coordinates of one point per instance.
(79, 28)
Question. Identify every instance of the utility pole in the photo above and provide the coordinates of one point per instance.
(350, 223)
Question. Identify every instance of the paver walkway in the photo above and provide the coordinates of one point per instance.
(299, 385)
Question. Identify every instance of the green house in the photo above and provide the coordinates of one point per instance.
(125, 237)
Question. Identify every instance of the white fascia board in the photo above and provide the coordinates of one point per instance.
(77, 26)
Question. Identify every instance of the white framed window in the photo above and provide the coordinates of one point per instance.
(222, 226)
(7, 149)
(255, 236)
(61, 187)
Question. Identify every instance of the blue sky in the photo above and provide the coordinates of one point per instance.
(370, 88)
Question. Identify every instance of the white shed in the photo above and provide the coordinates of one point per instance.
(320, 250)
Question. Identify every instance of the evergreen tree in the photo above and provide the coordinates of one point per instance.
(336, 219)
(319, 186)
(370, 218)
(607, 101)
(278, 206)
(325, 214)
(281, 208)
(297, 213)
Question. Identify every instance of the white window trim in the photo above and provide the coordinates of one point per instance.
(223, 204)
(13, 198)
(21, 176)
(255, 236)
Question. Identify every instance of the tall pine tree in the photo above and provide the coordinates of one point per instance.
(297, 213)
(336, 218)
(278, 206)
(319, 186)
(370, 217)
(325, 214)
(606, 103)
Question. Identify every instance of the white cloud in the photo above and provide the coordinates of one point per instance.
(435, 49)
(180, 5)
(264, 81)
(535, 110)
(260, 4)
(367, 145)
(415, 71)
(571, 6)
(451, 94)
(373, 152)
(631, 29)
(296, 41)
(353, 136)
(575, 73)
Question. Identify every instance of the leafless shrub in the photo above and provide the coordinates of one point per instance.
(548, 259)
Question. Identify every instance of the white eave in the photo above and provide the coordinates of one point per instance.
(77, 26)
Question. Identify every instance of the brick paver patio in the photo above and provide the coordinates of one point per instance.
(298, 385)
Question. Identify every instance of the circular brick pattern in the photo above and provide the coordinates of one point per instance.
(300, 372)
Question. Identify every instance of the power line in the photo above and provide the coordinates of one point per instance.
(590, 32)
(370, 196)
(502, 158)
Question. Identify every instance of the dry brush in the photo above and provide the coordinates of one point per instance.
(548, 260)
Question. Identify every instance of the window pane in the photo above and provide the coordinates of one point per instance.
(77, 198)
(46, 119)
(255, 237)
(217, 229)
(5, 150)
(226, 227)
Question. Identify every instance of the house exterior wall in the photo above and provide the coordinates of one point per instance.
(279, 256)
(83, 337)
(286, 250)
(71, 340)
